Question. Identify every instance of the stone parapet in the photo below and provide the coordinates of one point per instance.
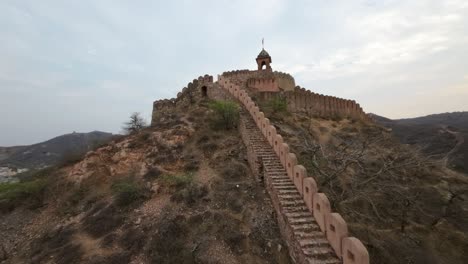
(280, 169)
(195, 90)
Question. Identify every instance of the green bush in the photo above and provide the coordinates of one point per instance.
(126, 192)
(15, 194)
(277, 105)
(227, 113)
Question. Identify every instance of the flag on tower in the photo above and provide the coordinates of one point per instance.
(263, 46)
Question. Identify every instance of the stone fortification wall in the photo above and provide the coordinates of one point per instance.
(194, 90)
(285, 81)
(263, 84)
(349, 250)
(262, 81)
(266, 81)
(301, 100)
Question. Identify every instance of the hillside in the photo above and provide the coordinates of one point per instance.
(406, 207)
(6, 152)
(178, 192)
(441, 136)
(52, 151)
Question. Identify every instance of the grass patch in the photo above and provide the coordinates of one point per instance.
(127, 191)
(14, 194)
(177, 180)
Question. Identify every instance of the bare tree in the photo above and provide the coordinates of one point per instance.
(135, 124)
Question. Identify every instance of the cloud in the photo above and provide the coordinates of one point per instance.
(88, 64)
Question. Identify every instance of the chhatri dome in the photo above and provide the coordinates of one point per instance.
(263, 59)
(263, 54)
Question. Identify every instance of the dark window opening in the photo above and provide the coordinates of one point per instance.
(204, 91)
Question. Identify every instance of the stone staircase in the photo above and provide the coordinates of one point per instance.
(306, 242)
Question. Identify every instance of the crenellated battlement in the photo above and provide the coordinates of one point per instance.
(194, 90)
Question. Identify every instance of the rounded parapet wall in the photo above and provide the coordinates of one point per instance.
(263, 84)
(285, 81)
(349, 249)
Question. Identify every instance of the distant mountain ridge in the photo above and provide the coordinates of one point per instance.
(455, 119)
(443, 136)
(52, 151)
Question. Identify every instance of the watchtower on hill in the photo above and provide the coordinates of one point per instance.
(264, 59)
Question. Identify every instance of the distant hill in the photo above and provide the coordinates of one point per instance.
(456, 119)
(51, 151)
(443, 136)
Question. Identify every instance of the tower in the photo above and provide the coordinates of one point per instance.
(263, 59)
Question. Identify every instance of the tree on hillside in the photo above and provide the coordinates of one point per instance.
(135, 124)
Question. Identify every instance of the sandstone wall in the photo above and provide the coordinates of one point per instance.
(195, 90)
(349, 249)
(263, 84)
(285, 81)
(301, 100)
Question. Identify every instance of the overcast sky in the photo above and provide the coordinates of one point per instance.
(86, 65)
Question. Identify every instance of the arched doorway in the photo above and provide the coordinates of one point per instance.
(204, 91)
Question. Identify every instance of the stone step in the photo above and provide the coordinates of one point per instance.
(309, 243)
(276, 172)
(301, 220)
(306, 227)
(301, 234)
(287, 191)
(312, 241)
(277, 167)
(290, 197)
(273, 159)
(289, 203)
(285, 187)
(277, 164)
(298, 214)
(279, 176)
(321, 253)
(281, 179)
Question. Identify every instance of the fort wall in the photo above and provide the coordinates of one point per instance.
(301, 100)
(201, 87)
(349, 249)
(285, 81)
